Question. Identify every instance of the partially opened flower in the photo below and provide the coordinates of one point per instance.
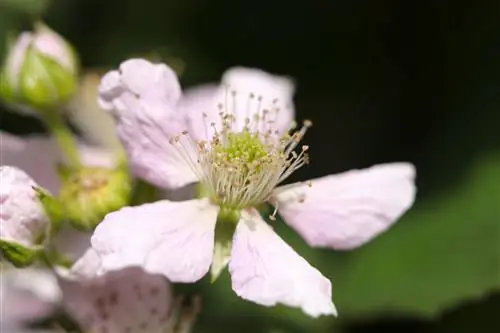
(24, 222)
(235, 141)
(127, 300)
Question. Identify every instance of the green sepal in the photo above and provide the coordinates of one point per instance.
(53, 208)
(19, 255)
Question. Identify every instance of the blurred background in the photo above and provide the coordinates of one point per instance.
(382, 81)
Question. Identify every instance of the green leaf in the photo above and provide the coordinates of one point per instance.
(20, 256)
(445, 251)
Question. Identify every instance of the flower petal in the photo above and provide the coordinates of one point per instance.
(245, 93)
(127, 300)
(175, 239)
(30, 294)
(267, 271)
(146, 122)
(275, 92)
(21, 152)
(147, 79)
(347, 210)
(193, 104)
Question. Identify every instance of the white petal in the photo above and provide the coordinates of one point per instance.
(196, 102)
(276, 93)
(30, 294)
(128, 300)
(175, 239)
(244, 93)
(17, 56)
(22, 217)
(21, 152)
(145, 125)
(147, 79)
(267, 271)
(347, 210)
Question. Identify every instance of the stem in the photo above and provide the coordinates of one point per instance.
(58, 128)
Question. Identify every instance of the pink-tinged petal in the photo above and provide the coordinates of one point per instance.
(347, 210)
(52, 45)
(267, 271)
(127, 300)
(146, 124)
(17, 56)
(147, 79)
(272, 93)
(96, 156)
(22, 217)
(193, 104)
(27, 294)
(244, 93)
(21, 152)
(175, 239)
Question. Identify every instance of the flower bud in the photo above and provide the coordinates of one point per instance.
(89, 193)
(24, 222)
(40, 70)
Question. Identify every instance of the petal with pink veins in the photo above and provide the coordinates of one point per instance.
(349, 209)
(126, 300)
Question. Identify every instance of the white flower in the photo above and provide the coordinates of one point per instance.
(234, 141)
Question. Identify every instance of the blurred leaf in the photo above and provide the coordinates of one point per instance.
(445, 251)
(30, 7)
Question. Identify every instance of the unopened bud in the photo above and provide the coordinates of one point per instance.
(89, 193)
(24, 222)
(40, 70)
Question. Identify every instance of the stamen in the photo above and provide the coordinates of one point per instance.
(245, 159)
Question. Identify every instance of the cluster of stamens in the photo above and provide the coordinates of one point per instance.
(243, 162)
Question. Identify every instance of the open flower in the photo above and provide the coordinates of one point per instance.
(128, 300)
(235, 141)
